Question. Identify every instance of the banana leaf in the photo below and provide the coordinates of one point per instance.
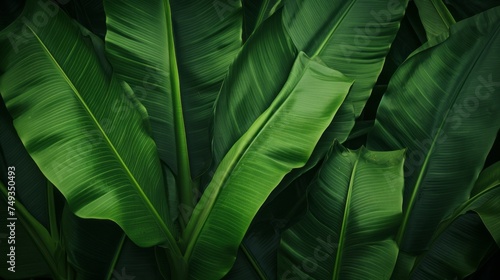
(354, 210)
(176, 66)
(319, 28)
(457, 252)
(84, 129)
(281, 139)
(441, 105)
(465, 238)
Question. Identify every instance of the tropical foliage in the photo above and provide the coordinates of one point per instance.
(274, 139)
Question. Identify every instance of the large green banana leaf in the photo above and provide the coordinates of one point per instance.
(93, 246)
(267, 56)
(175, 51)
(85, 130)
(441, 105)
(354, 210)
(319, 28)
(205, 48)
(435, 17)
(346, 37)
(465, 233)
(281, 139)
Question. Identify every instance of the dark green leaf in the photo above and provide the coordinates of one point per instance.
(441, 105)
(354, 210)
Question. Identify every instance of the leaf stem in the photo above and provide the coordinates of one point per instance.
(178, 267)
(184, 171)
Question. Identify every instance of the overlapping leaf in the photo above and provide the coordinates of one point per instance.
(174, 54)
(465, 233)
(441, 104)
(354, 210)
(341, 33)
(281, 139)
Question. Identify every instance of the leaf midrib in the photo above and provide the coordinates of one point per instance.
(343, 230)
(327, 39)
